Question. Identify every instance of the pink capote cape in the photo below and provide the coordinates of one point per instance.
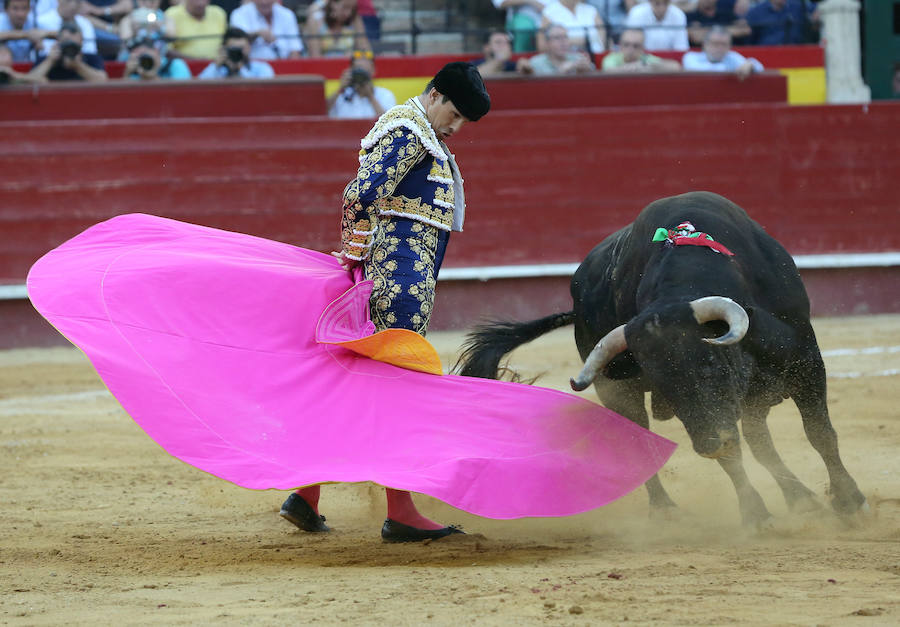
(208, 340)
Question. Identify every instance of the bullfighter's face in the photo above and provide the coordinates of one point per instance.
(445, 118)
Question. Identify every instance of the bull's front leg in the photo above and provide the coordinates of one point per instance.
(757, 436)
(626, 398)
(753, 509)
(809, 393)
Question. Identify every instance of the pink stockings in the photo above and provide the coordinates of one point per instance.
(400, 507)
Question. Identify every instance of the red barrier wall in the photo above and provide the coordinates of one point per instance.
(601, 90)
(299, 95)
(542, 186)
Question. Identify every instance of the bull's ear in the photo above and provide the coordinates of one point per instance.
(768, 336)
(623, 366)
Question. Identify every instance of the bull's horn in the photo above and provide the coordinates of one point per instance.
(608, 347)
(721, 308)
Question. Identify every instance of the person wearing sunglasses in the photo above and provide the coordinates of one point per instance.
(357, 97)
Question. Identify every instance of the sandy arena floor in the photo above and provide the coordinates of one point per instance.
(99, 526)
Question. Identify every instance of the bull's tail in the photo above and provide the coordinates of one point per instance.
(488, 343)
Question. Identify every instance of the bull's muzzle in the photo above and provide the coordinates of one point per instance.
(723, 444)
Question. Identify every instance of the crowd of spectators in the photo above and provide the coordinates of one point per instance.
(595, 25)
(189, 29)
(632, 29)
(631, 56)
(71, 39)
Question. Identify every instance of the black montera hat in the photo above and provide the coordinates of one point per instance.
(462, 84)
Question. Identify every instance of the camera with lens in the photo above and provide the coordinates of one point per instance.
(146, 61)
(69, 49)
(359, 77)
(235, 54)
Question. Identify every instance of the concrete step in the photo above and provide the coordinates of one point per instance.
(421, 5)
(425, 20)
(430, 43)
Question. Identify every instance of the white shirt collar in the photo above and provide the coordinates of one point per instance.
(420, 107)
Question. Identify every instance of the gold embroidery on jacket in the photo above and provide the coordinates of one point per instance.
(415, 209)
(386, 290)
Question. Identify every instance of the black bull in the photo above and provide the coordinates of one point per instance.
(644, 323)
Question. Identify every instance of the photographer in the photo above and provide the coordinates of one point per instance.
(147, 61)
(66, 61)
(357, 96)
(233, 60)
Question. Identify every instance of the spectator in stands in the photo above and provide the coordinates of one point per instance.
(273, 28)
(523, 20)
(370, 18)
(613, 14)
(895, 81)
(334, 28)
(105, 16)
(147, 17)
(581, 20)
(357, 97)
(665, 26)
(633, 58)
(67, 61)
(228, 6)
(779, 22)
(559, 58)
(717, 56)
(67, 11)
(199, 28)
(18, 31)
(497, 59)
(8, 75)
(147, 60)
(711, 13)
(233, 59)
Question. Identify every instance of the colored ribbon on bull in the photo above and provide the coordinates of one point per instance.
(685, 235)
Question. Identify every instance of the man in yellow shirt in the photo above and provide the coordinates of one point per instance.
(198, 29)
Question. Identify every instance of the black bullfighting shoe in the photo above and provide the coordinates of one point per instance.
(297, 511)
(393, 531)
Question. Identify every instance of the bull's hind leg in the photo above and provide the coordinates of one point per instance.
(753, 509)
(626, 398)
(809, 394)
(756, 434)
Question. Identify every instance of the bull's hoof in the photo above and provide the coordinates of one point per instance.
(755, 514)
(667, 511)
(765, 525)
(806, 505)
(848, 504)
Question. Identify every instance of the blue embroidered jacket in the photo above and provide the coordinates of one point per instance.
(403, 171)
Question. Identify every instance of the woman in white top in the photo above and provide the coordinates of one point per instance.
(582, 20)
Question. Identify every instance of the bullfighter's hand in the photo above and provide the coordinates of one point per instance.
(346, 263)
